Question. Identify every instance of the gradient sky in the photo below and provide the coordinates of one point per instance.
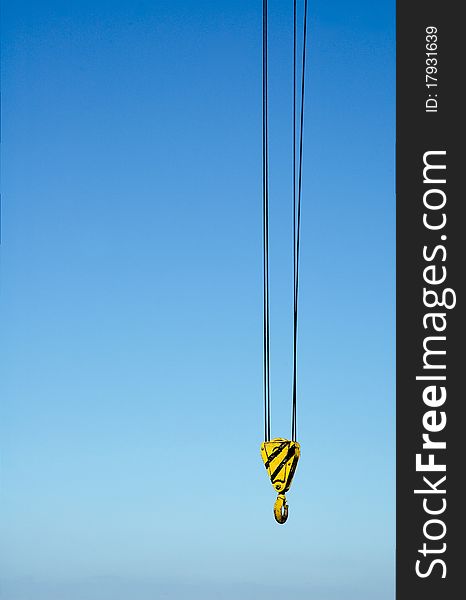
(131, 302)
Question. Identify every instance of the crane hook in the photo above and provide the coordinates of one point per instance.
(280, 458)
(280, 509)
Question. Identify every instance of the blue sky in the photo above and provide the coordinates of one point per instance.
(131, 353)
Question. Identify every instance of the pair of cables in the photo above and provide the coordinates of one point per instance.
(298, 129)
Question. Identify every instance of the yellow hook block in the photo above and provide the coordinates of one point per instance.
(280, 458)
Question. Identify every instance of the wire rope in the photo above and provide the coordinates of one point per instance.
(297, 193)
(297, 210)
(265, 218)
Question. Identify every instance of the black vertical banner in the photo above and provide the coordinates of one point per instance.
(431, 256)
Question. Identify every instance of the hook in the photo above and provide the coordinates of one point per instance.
(280, 509)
